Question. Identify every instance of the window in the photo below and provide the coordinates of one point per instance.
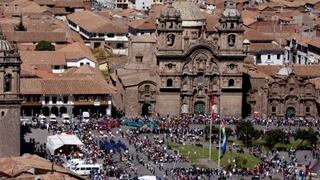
(230, 83)
(307, 109)
(273, 109)
(56, 67)
(278, 56)
(54, 100)
(120, 45)
(258, 61)
(88, 63)
(7, 82)
(2, 113)
(231, 40)
(65, 99)
(291, 89)
(139, 58)
(170, 39)
(46, 100)
(110, 35)
(269, 56)
(81, 64)
(147, 88)
(170, 66)
(231, 26)
(169, 83)
(200, 79)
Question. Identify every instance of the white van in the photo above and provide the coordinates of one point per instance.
(53, 118)
(66, 119)
(85, 117)
(85, 169)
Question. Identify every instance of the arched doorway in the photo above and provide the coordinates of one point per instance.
(63, 110)
(45, 111)
(55, 110)
(290, 112)
(146, 109)
(199, 108)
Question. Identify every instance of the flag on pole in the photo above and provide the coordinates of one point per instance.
(212, 107)
(224, 139)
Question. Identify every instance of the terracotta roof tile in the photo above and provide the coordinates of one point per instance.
(30, 37)
(76, 51)
(43, 57)
(92, 22)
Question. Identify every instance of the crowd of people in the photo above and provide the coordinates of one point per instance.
(150, 148)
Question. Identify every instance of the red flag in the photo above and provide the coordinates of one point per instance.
(212, 107)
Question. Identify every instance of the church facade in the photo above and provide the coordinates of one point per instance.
(177, 71)
(10, 101)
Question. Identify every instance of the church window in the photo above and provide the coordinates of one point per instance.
(170, 39)
(232, 66)
(231, 26)
(231, 40)
(7, 83)
(200, 79)
(171, 25)
(231, 83)
(147, 88)
(169, 83)
(273, 109)
(170, 66)
(307, 109)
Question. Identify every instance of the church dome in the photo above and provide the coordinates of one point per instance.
(285, 71)
(5, 45)
(188, 10)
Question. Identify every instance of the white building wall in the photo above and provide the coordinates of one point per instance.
(270, 59)
(82, 61)
(143, 4)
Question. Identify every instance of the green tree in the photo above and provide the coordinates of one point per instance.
(275, 136)
(45, 46)
(306, 135)
(246, 133)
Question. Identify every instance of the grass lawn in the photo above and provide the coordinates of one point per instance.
(293, 144)
(194, 154)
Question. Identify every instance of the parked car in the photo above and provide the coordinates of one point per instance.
(53, 119)
(66, 119)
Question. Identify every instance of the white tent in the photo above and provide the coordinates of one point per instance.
(56, 141)
(147, 178)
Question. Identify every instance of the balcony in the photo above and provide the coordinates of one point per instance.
(31, 103)
(90, 103)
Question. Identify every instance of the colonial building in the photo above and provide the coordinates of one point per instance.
(284, 92)
(177, 70)
(10, 101)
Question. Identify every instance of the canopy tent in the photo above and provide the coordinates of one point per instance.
(56, 141)
(147, 178)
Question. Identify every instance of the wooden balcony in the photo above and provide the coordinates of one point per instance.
(31, 103)
(89, 103)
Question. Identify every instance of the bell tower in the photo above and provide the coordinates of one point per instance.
(169, 30)
(10, 101)
(230, 30)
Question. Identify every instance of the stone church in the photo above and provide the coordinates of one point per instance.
(10, 101)
(177, 70)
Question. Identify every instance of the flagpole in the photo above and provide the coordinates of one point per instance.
(219, 154)
(210, 144)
